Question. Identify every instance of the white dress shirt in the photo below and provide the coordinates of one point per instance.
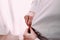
(12, 16)
(47, 17)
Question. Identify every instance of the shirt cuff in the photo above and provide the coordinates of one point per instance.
(37, 39)
(31, 13)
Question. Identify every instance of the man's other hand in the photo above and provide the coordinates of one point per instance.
(29, 36)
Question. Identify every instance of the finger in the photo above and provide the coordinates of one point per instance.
(30, 20)
(26, 33)
(26, 19)
(32, 32)
(26, 16)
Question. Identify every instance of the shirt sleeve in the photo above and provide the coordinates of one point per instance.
(34, 7)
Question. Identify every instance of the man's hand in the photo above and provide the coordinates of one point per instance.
(28, 19)
(29, 36)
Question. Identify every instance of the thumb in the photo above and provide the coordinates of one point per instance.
(32, 31)
(30, 20)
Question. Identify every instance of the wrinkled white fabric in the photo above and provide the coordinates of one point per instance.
(12, 16)
(47, 18)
